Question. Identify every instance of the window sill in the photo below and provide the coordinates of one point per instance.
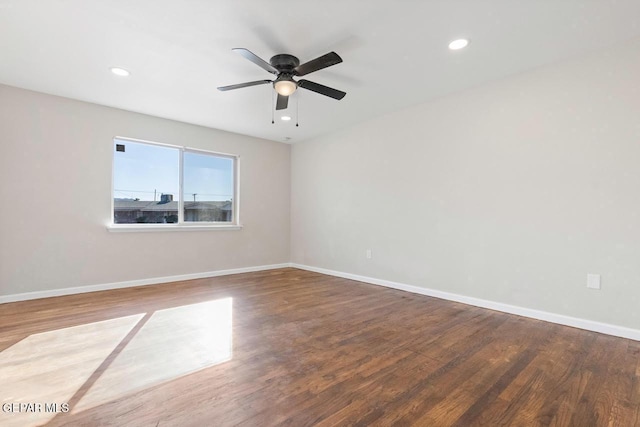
(135, 228)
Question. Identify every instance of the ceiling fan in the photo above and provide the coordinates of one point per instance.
(286, 67)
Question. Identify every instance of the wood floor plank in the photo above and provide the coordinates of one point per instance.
(304, 349)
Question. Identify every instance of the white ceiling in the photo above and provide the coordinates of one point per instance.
(395, 53)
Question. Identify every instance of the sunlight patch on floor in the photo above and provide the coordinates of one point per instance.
(50, 367)
(172, 343)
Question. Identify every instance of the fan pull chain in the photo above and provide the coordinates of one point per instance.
(273, 111)
(297, 107)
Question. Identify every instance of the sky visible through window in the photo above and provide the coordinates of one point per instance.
(145, 171)
(207, 177)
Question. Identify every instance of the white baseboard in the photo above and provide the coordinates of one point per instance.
(131, 283)
(589, 325)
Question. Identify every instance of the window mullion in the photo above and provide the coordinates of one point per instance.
(181, 190)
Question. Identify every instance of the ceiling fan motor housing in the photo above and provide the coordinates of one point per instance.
(284, 63)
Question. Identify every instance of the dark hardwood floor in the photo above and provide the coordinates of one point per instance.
(295, 348)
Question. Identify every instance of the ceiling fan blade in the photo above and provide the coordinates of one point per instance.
(240, 85)
(255, 59)
(282, 102)
(319, 63)
(321, 89)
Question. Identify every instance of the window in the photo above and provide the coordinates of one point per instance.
(163, 184)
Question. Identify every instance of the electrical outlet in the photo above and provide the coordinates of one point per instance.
(369, 254)
(593, 281)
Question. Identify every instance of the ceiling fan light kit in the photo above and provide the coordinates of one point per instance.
(286, 67)
(285, 85)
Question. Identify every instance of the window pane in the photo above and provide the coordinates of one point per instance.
(208, 188)
(145, 183)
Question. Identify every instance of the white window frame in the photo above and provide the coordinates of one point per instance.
(181, 225)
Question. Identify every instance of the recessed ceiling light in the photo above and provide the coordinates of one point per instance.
(458, 44)
(285, 118)
(120, 72)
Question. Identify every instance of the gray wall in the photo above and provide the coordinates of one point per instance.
(55, 170)
(511, 192)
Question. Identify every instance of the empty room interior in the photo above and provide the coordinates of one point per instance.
(320, 213)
